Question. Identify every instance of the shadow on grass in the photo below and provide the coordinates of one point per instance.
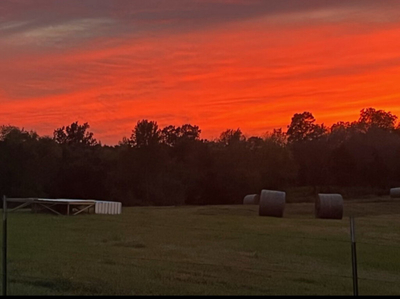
(60, 285)
(130, 244)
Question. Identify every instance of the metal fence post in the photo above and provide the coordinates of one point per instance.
(354, 256)
(4, 245)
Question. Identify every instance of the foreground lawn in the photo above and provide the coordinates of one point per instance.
(205, 250)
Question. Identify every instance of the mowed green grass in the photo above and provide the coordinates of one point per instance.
(205, 250)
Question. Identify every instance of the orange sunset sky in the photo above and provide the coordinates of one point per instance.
(218, 64)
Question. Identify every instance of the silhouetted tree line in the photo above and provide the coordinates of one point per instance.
(173, 166)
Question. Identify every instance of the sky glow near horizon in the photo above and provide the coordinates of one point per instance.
(218, 64)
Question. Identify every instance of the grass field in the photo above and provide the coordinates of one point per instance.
(205, 250)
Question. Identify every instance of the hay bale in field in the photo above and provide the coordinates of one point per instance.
(329, 206)
(395, 192)
(272, 203)
(251, 199)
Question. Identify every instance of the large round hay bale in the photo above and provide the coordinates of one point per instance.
(329, 206)
(272, 203)
(251, 199)
(395, 192)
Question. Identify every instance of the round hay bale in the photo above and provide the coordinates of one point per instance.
(251, 199)
(329, 206)
(395, 192)
(272, 203)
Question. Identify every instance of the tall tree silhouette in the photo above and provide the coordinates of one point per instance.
(302, 128)
(75, 134)
(230, 137)
(171, 135)
(371, 118)
(145, 134)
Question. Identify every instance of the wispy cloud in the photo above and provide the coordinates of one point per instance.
(64, 33)
(10, 26)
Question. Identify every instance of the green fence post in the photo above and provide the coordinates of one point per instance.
(4, 245)
(354, 256)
